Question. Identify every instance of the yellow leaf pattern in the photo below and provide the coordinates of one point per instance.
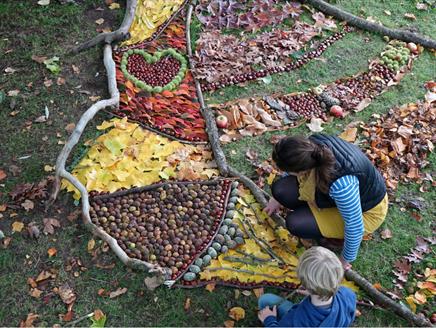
(129, 156)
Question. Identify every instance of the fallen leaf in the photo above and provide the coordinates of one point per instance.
(2, 207)
(17, 226)
(386, 234)
(315, 124)
(76, 70)
(60, 81)
(68, 316)
(421, 6)
(49, 225)
(387, 12)
(43, 2)
(151, 283)
(31, 317)
(48, 168)
(99, 21)
(52, 64)
(10, 70)
(91, 244)
(98, 319)
(187, 304)
(210, 287)
(33, 230)
(44, 275)
(420, 298)
(52, 252)
(35, 292)
(39, 59)
(246, 293)
(410, 16)
(119, 291)
(13, 93)
(66, 294)
(94, 98)
(3, 175)
(349, 135)
(32, 282)
(114, 5)
(28, 205)
(40, 119)
(229, 323)
(362, 105)
(15, 170)
(411, 303)
(237, 313)
(258, 292)
(377, 286)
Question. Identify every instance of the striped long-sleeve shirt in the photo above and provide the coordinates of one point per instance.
(345, 192)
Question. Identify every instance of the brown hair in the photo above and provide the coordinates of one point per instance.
(298, 153)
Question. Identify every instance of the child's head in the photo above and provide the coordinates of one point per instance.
(320, 272)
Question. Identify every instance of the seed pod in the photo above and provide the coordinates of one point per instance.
(234, 193)
(228, 221)
(212, 252)
(230, 214)
(223, 230)
(194, 268)
(230, 206)
(239, 240)
(231, 244)
(224, 249)
(239, 233)
(189, 276)
(199, 262)
(233, 199)
(235, 184)
(216, 245)
(206, 259)
(227, 238)
(220, 238)
(231, 231)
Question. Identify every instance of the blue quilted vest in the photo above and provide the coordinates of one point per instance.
(350, 160)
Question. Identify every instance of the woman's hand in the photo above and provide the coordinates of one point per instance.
(272, 207)
(267, 312)
(345, 264)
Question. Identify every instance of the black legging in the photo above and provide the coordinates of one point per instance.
(300, 221)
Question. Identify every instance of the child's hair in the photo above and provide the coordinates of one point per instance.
(298, 153)
(320, 272)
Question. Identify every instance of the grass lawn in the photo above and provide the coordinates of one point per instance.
(28, 29)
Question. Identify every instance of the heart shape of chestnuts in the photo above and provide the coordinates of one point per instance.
(164, 70)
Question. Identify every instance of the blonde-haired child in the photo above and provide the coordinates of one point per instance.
(327, 304)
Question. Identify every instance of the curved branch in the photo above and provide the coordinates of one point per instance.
(61, 172)
(211, 128)
(363, 24)
(383, 300)
(119, 35)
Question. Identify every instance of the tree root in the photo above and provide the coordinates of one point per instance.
(363, 24)
(119, 35)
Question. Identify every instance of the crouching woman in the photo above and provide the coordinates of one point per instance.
(332, 188)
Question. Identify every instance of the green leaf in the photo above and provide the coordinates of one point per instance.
(2, 96)
(98, 323)
(114, 146)
(267, 79)
(52, 65)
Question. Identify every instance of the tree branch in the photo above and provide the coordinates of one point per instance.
(119, 35)
(363, 24)
(385, 301)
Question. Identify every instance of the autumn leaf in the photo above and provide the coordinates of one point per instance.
(229, 323)
(237, 313)
(52, 252)
(315, 124)
(31, 317)
(411, 303)
(386, 234)
(49, 225)
(17, 226)
(98, 319)
(35, 292)
(118, 292)
(187, 305)
(91, 245)
(349, 134)
(152, 282)
(3, 175)
(210, 287)
(258, 292)
(28, 205)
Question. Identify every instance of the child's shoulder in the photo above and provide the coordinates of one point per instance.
(346, 292)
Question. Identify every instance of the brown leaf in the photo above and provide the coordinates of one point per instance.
(39, 59)
(68, 316)
(60, 81)
(40, 119)
(3, 175)
(210, 287)
(44, 275)
(48, 83)
(15, 170)
(386, 234)
(258, 292)
(410, 16)
(349, 135)
(229, 323)
(35, 292)
(49, 225)
(31, 317)
(31, 282)
(28, 205)
(377, 286)
(66, 294)
(362, 105)
(33, 230)
(99, 21)
(118, 292)
(2, 207)
(76, 70)
(98, 314)
(17, 226)
(91, 244)
(187, 305)
(151, 283)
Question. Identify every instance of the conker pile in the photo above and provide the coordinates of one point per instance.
(366, 85)
(307, 105)
(170, 225)
(156, 74)
(241, 78)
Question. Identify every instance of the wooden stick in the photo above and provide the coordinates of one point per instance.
(384, 301)
(363, 24)
(119, 35)
(209, 118)
(73, 323)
